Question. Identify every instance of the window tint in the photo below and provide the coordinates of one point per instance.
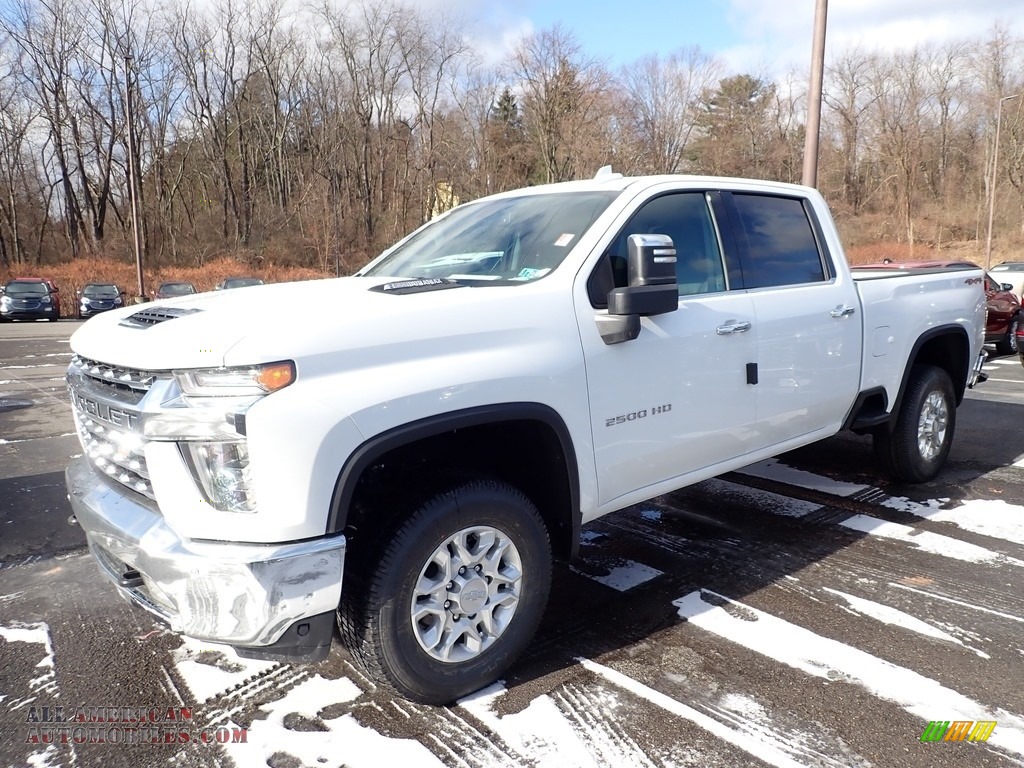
(685, 218)
(781, 249)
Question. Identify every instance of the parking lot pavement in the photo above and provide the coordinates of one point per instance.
(800, 612)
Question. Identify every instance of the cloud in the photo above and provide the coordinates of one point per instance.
(782, 41)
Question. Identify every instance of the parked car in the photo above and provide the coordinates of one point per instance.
(98, 297)
(174, 288)
(30, 298)
(1011, 272)
(1004, 307)
(237, 282)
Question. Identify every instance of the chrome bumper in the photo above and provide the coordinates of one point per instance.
(239, 594)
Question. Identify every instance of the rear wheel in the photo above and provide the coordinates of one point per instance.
(922, 435)
(452, 596)
(1008, 345)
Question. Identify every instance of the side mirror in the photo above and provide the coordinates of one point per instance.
(1006, 286)
(652, 289)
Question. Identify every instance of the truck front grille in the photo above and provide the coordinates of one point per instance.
(115, 452)
(105, 400)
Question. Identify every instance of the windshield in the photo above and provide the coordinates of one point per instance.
(510, 239)
(176, 289)
(13, 289)
(100, 290)
(1011, 267)
(242, 282)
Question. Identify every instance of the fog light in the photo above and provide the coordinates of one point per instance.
(222, 471)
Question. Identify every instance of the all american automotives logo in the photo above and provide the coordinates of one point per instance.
(958, 730)
(123, 725)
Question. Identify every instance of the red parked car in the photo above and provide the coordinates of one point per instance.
(1004, 308)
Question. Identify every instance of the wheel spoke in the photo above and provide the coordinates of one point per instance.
(451, 619)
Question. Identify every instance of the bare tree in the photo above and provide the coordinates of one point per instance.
(662, 105)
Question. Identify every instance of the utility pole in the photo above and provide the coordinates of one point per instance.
(810, 173)
(132, 173)
(995, 168)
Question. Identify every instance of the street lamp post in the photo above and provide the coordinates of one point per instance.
(133, 171)
(810, 169)
(995, 168)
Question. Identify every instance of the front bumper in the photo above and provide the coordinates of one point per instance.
(246, 595)
(29, 314)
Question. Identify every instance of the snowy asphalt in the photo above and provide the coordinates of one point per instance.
(801, 612)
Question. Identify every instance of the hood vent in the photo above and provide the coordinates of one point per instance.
(147, 318)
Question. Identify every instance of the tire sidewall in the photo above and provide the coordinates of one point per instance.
(496, 506)
(1011, 334)
(931, 379)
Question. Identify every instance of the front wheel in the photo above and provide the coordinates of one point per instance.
(1008, 345)
(922, 435)
(453, 596)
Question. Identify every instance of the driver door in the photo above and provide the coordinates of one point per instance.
(675, 400)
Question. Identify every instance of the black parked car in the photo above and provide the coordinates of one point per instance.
(29, 298)
(237, 282)
(98, 297)
(174, 288)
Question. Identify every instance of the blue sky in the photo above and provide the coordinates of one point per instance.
(768, 37)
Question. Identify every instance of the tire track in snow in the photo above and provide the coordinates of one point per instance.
(822, 657)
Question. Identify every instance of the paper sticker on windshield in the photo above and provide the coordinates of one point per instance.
(564, 240)
(528, 273)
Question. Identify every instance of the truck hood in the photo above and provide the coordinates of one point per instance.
(307, 319)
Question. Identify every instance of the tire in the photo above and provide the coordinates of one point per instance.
(1008, 345)
(500, 595)
(916, 448)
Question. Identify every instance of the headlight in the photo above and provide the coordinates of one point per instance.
(46, 300)
(5, 300)
(117, 301)
(85, 302)
(251, 381)
(222, 470)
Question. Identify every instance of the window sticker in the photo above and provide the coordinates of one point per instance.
(529, 273)
(564, 240)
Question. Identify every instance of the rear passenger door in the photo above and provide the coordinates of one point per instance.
(807, 316)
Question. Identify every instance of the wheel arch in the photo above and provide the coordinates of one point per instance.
(947, 347)
(525, 444)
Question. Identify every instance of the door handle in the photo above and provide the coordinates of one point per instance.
(732, 327)
(842, 311)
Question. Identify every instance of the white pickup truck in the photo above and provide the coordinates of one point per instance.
(403, 452)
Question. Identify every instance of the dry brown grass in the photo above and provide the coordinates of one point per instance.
(871, 253)
(73, 275)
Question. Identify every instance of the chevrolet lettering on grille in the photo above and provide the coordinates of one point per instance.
(103, 412)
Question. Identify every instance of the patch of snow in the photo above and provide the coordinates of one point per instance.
(897, 618)
(654, 515)
(42, 759)
(207, 680)
(589, 537)
(345, 740)
(39, 633)
(544, 735)
(773, 469)
(829, 659)
(927, 541)
(961, 603)
(626, 576)
(767, 747)
(989, 517)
